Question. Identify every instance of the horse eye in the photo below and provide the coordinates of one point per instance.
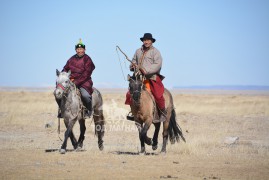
(66, 81)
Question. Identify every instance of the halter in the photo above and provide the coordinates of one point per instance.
(138, 101)
(65, 89)
(137, 91)
(61, 86)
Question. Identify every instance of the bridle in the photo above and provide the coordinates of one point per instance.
(137, 90)
(65, 89)
(61, 86)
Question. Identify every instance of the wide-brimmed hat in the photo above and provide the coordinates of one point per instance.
(148, 36)
(80, 45)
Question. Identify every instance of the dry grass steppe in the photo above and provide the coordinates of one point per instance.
(206, 119)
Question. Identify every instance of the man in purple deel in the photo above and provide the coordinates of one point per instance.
(81, 67)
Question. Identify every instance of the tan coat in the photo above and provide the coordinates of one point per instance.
(150, 62)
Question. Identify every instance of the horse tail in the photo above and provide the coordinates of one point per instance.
(175, 132)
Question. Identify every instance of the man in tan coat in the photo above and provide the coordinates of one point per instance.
(149, 60)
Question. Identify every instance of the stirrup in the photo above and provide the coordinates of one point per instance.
(130, 116)
(88, 113)
(162, 117)
(160, 120)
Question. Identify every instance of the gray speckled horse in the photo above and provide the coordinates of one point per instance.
(72, 110)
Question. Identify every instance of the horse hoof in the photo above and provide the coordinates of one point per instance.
(62, 151)
(149, 142)
(80, 145)
(163, 152)
(78, 149)
(154, 147)
(100, 144)
(173, 141)
(142, 153)
(101, 147)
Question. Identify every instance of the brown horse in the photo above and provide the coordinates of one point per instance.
(145, 110)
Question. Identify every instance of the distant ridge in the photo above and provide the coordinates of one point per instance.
(225, 87)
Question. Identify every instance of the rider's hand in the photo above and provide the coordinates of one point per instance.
(133, 67)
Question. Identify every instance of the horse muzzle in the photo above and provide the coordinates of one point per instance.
(136, 97)
(58, 94)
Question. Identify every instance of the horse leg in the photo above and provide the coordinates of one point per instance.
(73, 140)
(72, 137)
(139, 126)
(99, 127)
(148, 140)
(82, 133)
(155, 136)
(165, 135)
(67, 134)
(143, 135)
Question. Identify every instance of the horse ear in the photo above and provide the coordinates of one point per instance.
(57, 72)
(128, 77)
(69, 73)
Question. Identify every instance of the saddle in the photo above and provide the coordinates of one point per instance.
(82, 106)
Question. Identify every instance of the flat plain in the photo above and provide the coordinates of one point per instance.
(30, 143)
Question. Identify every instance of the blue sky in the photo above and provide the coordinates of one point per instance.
(210, 42)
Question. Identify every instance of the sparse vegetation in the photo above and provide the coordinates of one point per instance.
(206, 119)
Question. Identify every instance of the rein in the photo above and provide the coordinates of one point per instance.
(65, 90)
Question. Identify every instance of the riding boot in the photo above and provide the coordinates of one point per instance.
(130, 116)
(89, 107)
(162, 116)
(87, 101)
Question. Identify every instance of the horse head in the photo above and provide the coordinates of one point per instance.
(135, 87)
(63, 83)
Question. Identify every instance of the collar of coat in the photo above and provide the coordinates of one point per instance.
(79, 56)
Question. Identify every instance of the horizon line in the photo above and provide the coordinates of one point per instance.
(214, 87)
